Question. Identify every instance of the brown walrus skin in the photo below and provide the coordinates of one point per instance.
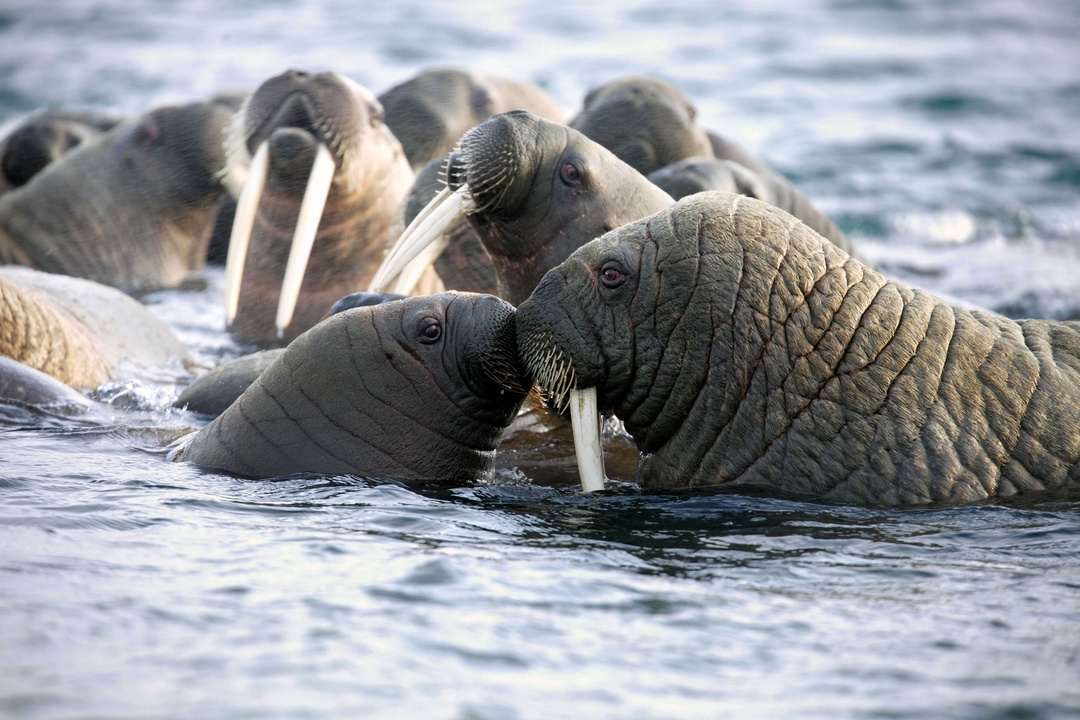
(80, 332)
(649, 125)
(739, 347)
(430, 111)
(418, 390)
(131, 208)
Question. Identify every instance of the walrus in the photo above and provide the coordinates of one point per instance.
(131, 208)
(699, 174)
(740, 348)
(80, 332)
(320, 180)
(533, 191)
(212, 392)
(430, 111)
(418, 389)
(649, 124)
(43, 137)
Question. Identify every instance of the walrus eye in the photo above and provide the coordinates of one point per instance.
(375, 115)
(611, 275)
(430, 331)
(570, 173)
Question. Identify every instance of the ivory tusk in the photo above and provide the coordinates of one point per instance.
(246, 206)
(307, 225)
(585, 419)
(422, 241)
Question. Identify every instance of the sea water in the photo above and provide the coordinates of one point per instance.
(942, 135)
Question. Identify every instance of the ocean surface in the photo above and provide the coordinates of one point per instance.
(942, 135)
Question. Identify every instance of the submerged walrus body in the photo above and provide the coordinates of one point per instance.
(650, 125)
(739, 347)
(320, 180)
(419, 389)
(131, 208)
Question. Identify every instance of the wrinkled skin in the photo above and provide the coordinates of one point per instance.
(419, 389)
(649, 125)
(295, 113)
(542, 190)
(131, 208)
(42, 138)
(739, 347)
(213, 391)
(430, 111)
(80, 332)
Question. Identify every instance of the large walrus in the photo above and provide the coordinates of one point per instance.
(649, 124)
(131, 208)
(43, 137)
(533, 191)
(80, 332)
(741, 348)
(419, 389)
(430, 111)
(320, 180)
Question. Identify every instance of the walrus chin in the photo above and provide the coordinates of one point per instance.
(556, 378)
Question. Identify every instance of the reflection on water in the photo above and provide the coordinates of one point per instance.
(941, 136)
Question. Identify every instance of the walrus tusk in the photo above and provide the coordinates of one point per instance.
(243, 221)
(422, 241)
(585, 420)
(307, 225)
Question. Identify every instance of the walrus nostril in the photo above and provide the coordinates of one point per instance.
(455, 170)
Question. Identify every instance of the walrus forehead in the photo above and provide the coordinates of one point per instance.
(330, 107)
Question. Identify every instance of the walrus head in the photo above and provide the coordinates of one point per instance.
(314, 148)
(645, 122)
(419, 389)
(533, 191)
(638, 322)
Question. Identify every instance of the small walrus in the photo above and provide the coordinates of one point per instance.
(320, 181)
(741, 348)
(419, 389)
(131, 208)
(533, 191)
(44, 137)
(649, 124)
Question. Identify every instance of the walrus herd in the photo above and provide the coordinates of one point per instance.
(661, 275)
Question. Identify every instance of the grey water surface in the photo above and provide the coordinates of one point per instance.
(943, 135)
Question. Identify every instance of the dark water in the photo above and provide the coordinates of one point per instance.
(943, 135)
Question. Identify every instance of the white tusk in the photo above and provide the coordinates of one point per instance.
(585, 419)
(246, 206)
(422, 241)
(307, 225)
